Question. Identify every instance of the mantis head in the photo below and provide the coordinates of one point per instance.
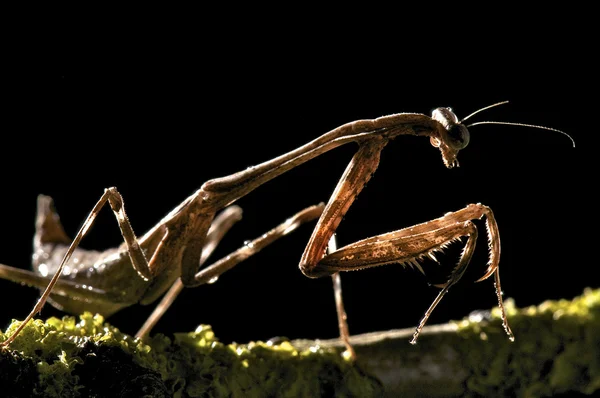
(453, 135)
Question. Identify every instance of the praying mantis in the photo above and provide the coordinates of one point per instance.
(172, 254)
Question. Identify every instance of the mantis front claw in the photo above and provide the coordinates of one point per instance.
(411, 245)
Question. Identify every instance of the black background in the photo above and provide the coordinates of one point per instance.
(156, 111)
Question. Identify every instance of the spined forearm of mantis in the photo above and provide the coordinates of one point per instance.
(174, 252)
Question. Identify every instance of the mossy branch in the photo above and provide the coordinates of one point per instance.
(557, 351)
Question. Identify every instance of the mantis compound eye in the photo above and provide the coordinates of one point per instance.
(458, 136)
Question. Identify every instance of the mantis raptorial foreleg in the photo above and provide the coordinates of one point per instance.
(406, 246)
(410, 245)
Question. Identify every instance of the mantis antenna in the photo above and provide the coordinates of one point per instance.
(525, 125)
(512, 123)
(483, 109)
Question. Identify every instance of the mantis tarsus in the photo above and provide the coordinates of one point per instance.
(174, 251)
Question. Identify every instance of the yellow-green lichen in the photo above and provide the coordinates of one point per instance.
(556, 350)
(191, 365)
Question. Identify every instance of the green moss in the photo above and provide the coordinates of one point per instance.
(556, 352)
(90, 357)
(557, 349)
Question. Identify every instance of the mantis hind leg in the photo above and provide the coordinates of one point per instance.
(53, 232)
